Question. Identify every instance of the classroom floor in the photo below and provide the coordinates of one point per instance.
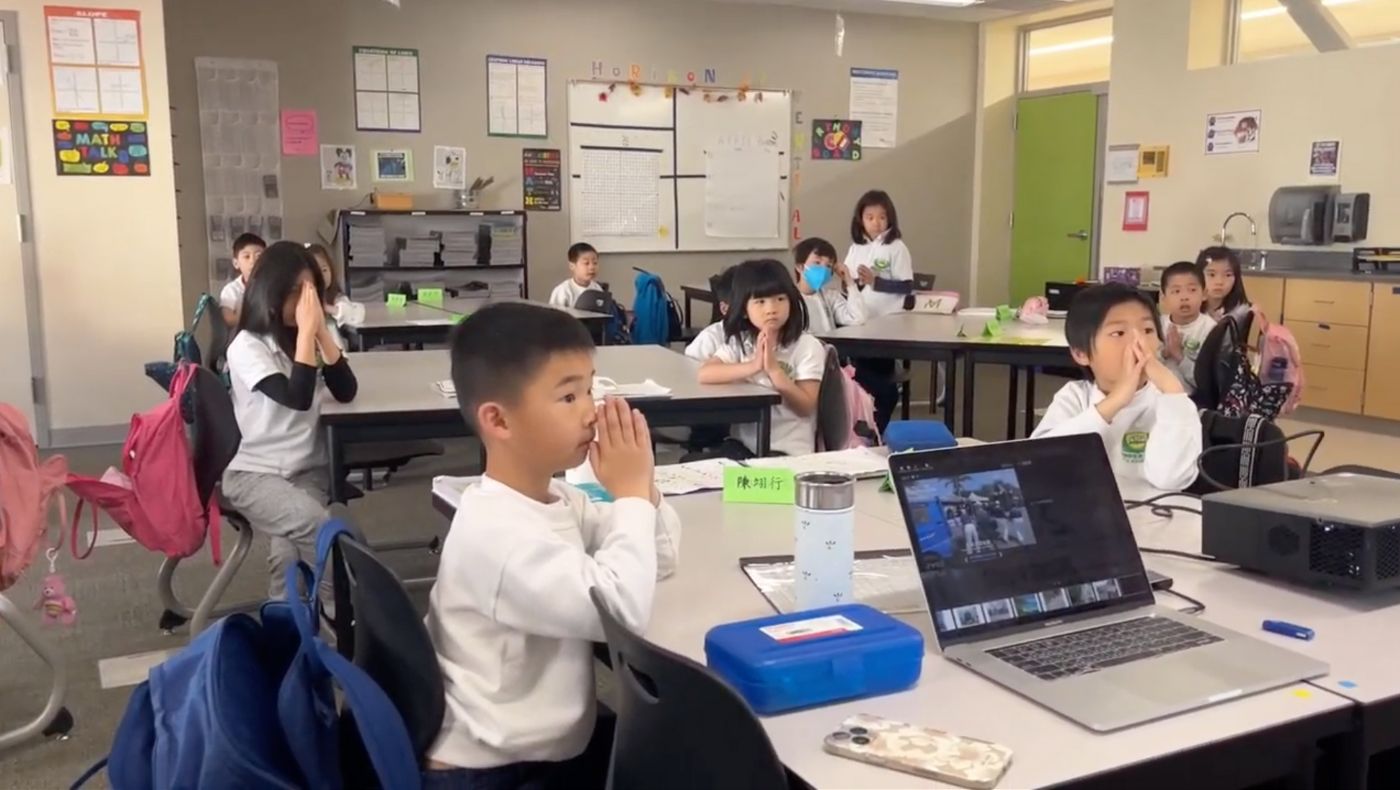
(118, 605)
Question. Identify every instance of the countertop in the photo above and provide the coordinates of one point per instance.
(1393, 276)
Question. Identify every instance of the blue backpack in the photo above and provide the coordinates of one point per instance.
(186, 346)
(655, 317)
(251, 704)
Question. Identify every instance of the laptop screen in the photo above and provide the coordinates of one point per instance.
(1012, 534)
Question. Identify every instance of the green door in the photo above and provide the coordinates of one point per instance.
(1052, 227)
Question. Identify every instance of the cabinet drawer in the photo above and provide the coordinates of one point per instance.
(1327, 302)
(1331, 345)
(1334, 389)
(1382, 390)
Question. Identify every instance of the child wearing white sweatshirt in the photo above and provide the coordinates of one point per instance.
(825, 284)
(510, 614)
(1149, 425)
(885, 271)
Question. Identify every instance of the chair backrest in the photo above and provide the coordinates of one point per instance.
(833, 419)
(377, 627)
(715, 315)
(215, 436)
(678, 725)
(1221, 355)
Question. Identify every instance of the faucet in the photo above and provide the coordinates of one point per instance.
(1258, 258)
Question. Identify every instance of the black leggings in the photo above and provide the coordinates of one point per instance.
(877, 377)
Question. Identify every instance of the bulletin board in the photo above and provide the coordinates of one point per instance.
(664, 169)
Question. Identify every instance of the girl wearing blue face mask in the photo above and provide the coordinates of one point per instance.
(832, 299)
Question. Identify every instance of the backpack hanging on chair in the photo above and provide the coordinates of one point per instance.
(28, 489)
(656, 319)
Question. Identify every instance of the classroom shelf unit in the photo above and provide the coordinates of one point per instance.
(387, 252)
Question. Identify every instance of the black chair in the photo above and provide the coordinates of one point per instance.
(1224, 351)
(378, 628)
(678, 725)
(833, 421)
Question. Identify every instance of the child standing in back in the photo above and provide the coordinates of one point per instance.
(583, 276)
(766, 342)
(1184, 327)
(885, 271)
(1220, 268)
(832, 299)
(247, 248)
(283, 362)
(339, 309)
(1148, 424)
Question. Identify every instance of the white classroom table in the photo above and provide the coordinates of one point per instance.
(709, 588)
(418, 323)
(397, 399)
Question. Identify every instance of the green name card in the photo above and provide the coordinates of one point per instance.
(396, 300)
(759, 486)
(992, 329)
(431, 296)
(1005, 313)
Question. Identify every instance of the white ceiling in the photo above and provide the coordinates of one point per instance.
(988, 9)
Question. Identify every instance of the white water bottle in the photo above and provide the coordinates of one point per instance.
(825, 531)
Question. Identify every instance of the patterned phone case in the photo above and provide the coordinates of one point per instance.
(966, 762)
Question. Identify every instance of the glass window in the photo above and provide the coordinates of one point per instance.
(1075, 53)
(1267, 31)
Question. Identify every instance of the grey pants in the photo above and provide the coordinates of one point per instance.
(287, 510)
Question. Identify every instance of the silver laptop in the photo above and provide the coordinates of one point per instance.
(1034, 580)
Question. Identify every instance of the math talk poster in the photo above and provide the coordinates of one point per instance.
(101, 148)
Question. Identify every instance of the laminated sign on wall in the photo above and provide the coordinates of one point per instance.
(95, 63)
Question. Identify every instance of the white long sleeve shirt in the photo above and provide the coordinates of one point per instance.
(512, 622)
(828, 308)
(1156, 438)
(566, 294)
(891, 261)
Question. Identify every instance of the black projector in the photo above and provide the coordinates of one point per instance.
(1340, 530)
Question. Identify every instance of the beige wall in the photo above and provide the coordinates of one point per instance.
(106, 249)
(1155, 99)
(929, 174)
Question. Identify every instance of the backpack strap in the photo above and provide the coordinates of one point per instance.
(1249, 451)
(205, 301)
(73, 531)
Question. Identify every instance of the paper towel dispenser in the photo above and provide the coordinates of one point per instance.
(1302, 215)
(1351, 213)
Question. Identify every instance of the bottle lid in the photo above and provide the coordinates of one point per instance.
(825, 490)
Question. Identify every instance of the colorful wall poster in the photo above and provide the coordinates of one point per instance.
(338, 167)
(449, 167)
(836, 139)
(543, 180)
(393, 165)
(101, 148)
(299, 133)
(875, 103)
(386, 90)
(96, 69)
(1135, 211)
(1325, 158)
(1234, 132)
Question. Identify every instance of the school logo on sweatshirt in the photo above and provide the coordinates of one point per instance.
(788, 370)
(881, 264)
(1134, 446)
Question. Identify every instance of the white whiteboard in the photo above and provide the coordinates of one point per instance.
(682, 137)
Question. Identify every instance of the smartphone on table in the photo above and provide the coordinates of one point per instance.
(932, 754)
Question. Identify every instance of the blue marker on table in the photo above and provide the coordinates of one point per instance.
(1288, 629)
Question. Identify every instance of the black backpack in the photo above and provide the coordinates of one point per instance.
(1240, 452)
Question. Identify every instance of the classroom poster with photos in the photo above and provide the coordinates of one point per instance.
(240, 138)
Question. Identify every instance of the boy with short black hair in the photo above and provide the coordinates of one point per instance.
(510, 614)
(832, 298)
(1148, 424)
(583, 276)
(709, 339)
(1184, 327)
(247, 249)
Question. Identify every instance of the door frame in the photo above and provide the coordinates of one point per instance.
(29, 267)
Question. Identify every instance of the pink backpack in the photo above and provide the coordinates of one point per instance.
(153, 498)
(1279, 361)
(27, 489)
(860, 407)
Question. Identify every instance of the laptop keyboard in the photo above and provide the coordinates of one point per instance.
(1081, 652)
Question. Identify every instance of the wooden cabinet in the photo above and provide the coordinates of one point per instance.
(1334, 389)
(1327, 302)
(1266, 293)
(1331, 345)
(1383, 361)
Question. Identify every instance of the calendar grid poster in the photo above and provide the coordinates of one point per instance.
(620, 189)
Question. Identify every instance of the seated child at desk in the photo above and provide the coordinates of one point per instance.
(1184, 327)
(339, 309)
(583, 276)
(709, 339)
(766, 343)
(1148, 424)
(247, 248)
(832, 299)
(510, 615)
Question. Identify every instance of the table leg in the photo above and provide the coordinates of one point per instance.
(950, 394)
(969, 384)
(765, 432)
(1013, 392)
(1030, 401)
(336, 450)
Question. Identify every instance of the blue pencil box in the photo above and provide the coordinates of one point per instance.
(815, 657)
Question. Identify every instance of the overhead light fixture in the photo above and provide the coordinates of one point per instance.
(945, 3)
(1071, 46)
(1264, 13)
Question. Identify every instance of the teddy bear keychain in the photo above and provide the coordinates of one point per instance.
(54, 601)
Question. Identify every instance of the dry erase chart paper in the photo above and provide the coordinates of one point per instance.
(516, 96)
(740, 202)
(620, 192)
(875, 102)
(95, 63)
(386, 90)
